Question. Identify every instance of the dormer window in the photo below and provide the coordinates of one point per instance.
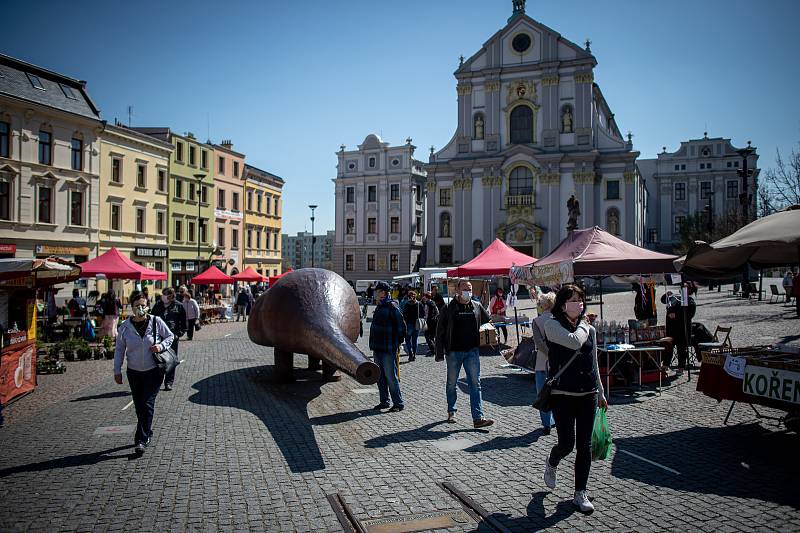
(35, 81)
(68, 92)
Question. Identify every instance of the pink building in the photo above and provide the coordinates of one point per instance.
(228, 208)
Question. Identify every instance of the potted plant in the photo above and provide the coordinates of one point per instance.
(69, 346)
(108, 346)
(84, 350)
(54, 351)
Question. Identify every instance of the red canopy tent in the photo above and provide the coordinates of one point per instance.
(114, 265)
(273, 279)
(212, 276)
(249, 274)
(496, 260)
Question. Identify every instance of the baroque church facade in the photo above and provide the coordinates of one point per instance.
(535, 134)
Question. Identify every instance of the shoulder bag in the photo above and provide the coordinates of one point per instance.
(166, 360)
(543, 401)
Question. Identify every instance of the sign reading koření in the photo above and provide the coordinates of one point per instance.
(772, 383)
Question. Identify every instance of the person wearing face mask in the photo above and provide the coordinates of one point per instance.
(497, 307)
(387, 331)
(173, 313)
(578, 391)
(458, 338)
(138, 339)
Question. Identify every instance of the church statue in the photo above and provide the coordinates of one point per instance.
(574, 208)
(445, 226)
(566, 120)
(479, 128)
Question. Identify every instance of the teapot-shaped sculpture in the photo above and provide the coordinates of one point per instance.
(315, 312)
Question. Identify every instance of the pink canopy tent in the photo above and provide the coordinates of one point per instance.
(249, 274)
(496, 260)
(114, 265)
(212, 276)
(273, 279)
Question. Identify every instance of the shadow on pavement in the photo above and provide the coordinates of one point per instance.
(338, 418)
(506, 443)
(507, 390)
(425, 432)
(105, 395)
(282, 407)
(536, 518)
(83, 459)
(744, 461)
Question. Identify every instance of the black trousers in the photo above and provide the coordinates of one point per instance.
(144, 389)
(504, 329)
(190, 329)
(169, 377)
(574, 422)
(430, 334)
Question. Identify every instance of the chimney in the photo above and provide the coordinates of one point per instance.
(226, 143)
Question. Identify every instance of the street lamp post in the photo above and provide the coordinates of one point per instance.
(744, 200)
(199, 197)
(313, 237)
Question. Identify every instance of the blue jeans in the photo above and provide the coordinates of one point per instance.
(472, 366)
(546, 416)
(389, 381)
(411, 338)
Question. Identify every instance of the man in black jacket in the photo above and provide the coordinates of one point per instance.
(173, 313)
(458, 337)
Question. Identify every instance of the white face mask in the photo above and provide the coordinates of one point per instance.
(466, 295)
(140, 310)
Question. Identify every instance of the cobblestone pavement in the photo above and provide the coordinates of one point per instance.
(234, 451)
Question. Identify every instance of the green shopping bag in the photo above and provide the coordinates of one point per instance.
(601, 437)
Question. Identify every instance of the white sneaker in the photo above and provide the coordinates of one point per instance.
(549, 474)
(581, 501)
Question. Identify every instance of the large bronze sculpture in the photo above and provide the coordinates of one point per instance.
(315, 312)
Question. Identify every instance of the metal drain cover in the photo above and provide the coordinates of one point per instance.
(418, 522)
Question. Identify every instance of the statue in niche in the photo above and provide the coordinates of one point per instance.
(574, 210)
(479, 128)
(566, 120)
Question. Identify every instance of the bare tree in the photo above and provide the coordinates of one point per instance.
(781, 184)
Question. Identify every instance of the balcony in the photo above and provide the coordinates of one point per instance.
(520, 200)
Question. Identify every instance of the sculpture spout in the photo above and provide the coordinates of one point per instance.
(315, 312)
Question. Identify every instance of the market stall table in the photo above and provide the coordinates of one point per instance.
(638, 354)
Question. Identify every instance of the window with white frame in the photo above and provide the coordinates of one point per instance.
(76, 208)
(116, 217)
(140, 220)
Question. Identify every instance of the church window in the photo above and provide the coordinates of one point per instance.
(372, 193)
(521, 43)
(680, 191)
(350, 195)
(445, 254)
(348, 262)
(522, 125)
(445, 198)
(612, 190)
(520, 182)
(371, 162)
(444, 225)
(612, 221)
(732, 189)
(705, 190)
(394, 192)
(372, 225)
(678, 223)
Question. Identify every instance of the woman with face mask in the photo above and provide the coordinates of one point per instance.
(138, 339)
(578, 391)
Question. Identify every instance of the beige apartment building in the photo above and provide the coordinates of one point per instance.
(262, 220)
(228, 209)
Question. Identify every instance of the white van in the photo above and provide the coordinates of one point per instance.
(363, 284)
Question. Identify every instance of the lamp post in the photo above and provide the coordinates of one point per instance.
(199, 197)
(313, 237)
(744, 200)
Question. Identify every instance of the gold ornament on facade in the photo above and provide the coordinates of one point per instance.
(465, 183)
(584, 77)
(550, 178)
(630, 177)
(492, 181)
(521, 90)
(431, 186)
(464, 88)
(520, 211)
(584, 177)
(548, 81)
(492, 86)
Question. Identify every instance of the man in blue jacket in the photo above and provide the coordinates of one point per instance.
(387, 331)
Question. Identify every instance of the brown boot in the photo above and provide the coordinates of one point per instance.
(482, 423)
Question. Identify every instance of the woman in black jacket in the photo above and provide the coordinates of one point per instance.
(411, 312)
(578, 391)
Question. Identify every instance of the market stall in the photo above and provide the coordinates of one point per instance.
(217, 308)
(249, 275)
(19, 281)
(273, 279)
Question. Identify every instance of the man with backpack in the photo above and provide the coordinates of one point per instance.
(387, 331)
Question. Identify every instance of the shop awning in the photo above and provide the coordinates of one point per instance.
(114, 265)
(249, 274)
(37, 272)
(496, 260)
(212, 276)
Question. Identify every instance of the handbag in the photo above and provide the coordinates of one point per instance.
(422, 324)
(166, 360)
(543, 400)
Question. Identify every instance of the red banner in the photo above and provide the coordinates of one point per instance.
(8, 248)
(17, 370)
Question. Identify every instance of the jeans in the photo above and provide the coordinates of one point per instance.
(190, 328)
(546, 416)
(169, 377)
(411, 338)
(389, 380)
(472, 366)
(144, 389)
(574, 422)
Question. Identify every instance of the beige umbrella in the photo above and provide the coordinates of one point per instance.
(771, 241)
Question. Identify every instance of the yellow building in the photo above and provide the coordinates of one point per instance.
(263, 210)
(134, 203)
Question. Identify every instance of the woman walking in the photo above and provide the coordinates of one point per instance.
(192, 313)
(572, 345)
(139, 338)
(497, 308)
(110, 307)
(540, 367)
(412, 311)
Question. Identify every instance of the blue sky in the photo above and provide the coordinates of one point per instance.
(289, 82)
